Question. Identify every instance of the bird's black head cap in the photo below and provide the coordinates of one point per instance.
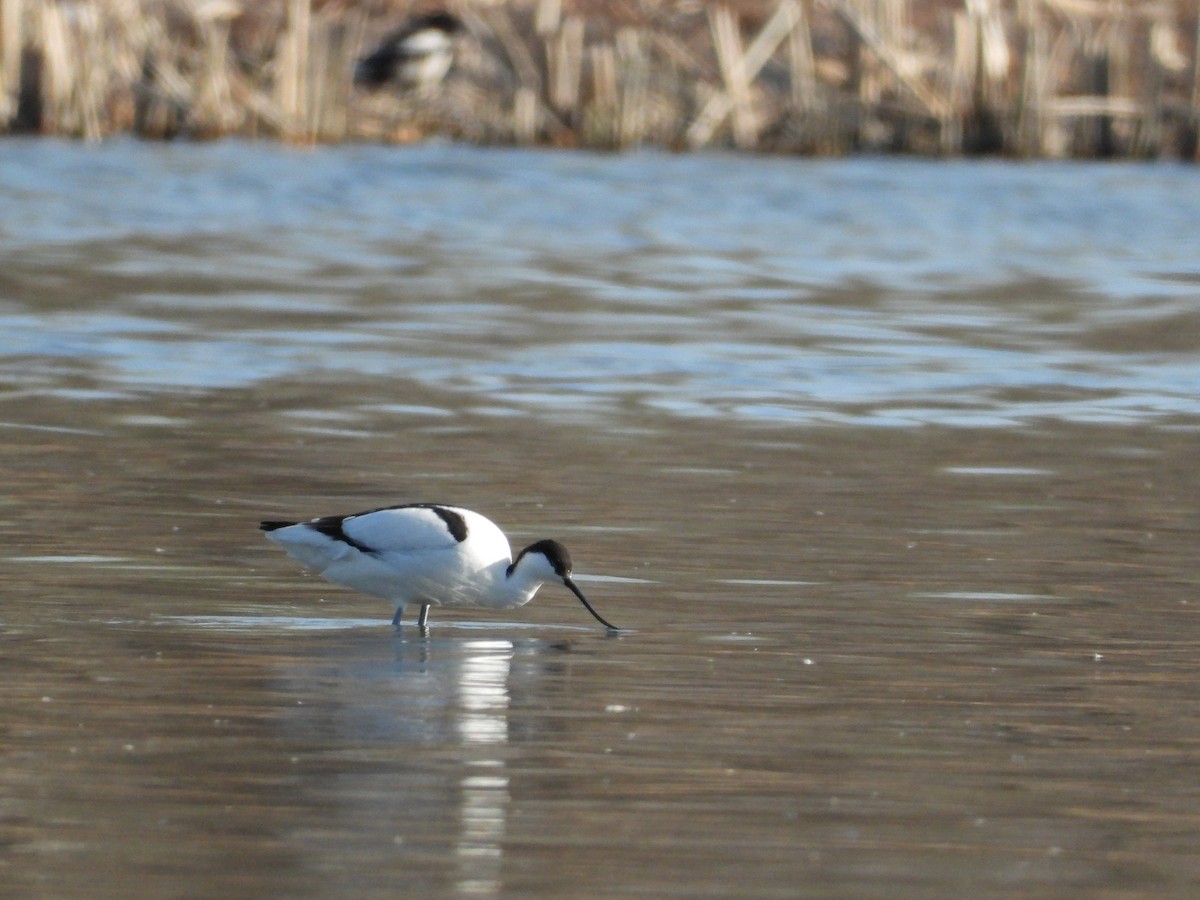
(556, 554)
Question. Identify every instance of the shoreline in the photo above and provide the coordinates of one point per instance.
(1034, 79)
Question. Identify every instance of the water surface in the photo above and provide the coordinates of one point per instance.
(887, 468)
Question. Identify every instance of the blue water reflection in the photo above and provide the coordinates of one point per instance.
(874, 291)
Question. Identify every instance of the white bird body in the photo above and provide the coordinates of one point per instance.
(426, 553)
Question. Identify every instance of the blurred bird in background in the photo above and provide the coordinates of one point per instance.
(415, 57)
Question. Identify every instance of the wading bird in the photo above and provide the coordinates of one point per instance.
(428, 554)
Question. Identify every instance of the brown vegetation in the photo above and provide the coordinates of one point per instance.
(1018, 77)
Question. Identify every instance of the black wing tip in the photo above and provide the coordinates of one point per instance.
(330, 526)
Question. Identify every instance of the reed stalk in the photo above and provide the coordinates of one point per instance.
(1021, 77)
(12, 41)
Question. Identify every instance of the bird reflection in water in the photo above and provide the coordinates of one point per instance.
(482, 727)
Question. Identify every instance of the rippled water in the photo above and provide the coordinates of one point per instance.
(771, 291)
(888, 468)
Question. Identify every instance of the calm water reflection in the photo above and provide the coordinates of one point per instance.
(888, 467)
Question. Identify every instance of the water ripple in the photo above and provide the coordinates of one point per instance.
(892, 293)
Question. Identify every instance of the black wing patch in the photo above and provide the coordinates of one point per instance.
(331, 527)
(454, 520)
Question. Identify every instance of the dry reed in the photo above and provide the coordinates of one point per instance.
(1019, 77)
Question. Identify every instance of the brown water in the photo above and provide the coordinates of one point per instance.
(907, 568)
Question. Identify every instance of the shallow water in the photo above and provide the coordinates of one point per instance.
(887, 468)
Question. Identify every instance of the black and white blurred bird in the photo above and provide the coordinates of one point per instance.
(416, 56)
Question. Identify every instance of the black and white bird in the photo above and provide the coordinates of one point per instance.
(428, 554)
(416, 56)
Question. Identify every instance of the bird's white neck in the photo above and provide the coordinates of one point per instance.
(516, 587)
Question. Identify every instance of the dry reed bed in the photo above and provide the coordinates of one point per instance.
(1022, 77)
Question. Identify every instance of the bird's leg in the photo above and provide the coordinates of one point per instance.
(423, 618)
(399, 613)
